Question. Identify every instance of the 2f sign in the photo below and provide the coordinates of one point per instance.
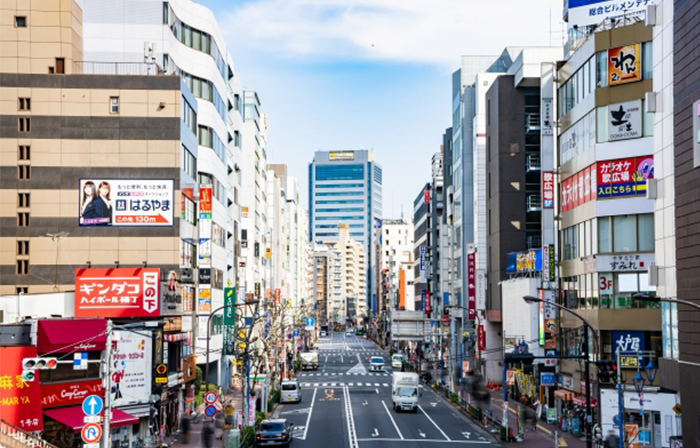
(606, 283)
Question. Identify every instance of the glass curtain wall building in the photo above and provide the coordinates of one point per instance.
(346, 187)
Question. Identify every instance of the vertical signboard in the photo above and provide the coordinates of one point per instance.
(229, 320)
(547, 189)
(427, 302)
(422, 263)
(426, 196)
(20, 399)
(422, 301)
(481, 338)
(548, 325)
(471, 285)
(205, 207)
(547, 117)
(624, 64)
(131, 371)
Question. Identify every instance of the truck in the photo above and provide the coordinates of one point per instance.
(405, 391)
(324, 330)
(309, 360)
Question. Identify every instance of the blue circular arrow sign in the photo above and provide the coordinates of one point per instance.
(93, 405)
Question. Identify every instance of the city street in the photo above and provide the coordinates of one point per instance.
(343, 404)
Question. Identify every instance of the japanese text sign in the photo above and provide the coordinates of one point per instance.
(624, 64)
(131, 369)
(471, 285)
(117, 292)
(427, 302)
(205, 194)
(594, 12)
(628, 342)
(624, 177)
(63, 394)
(20, 402)
(547, 189)
(126, 202)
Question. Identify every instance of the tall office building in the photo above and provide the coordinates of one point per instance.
(346, 187)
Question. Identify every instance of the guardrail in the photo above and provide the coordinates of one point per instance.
(14, 437)
(116, 68)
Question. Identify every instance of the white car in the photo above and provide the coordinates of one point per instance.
(349, 333)
(396, 361)
(376, 364)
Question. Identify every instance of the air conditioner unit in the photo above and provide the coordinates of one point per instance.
(650, 102)
(650, 16)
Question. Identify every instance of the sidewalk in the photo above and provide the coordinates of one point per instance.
(178, 440)
(543, 436)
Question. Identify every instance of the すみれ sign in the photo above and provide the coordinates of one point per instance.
(126, 202)
(117, 292)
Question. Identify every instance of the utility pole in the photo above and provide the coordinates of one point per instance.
(106, 370)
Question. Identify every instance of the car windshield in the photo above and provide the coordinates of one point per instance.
(378, 360)
(272, 426)
(407, 392)
(397, 358)
(289, 386)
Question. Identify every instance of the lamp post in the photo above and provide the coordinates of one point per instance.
(589, 412)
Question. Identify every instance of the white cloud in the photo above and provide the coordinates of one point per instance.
(422, 31)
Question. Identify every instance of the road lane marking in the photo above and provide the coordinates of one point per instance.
(426, 440)
(311, 409)
(433, 422)
(375, 433)
(421, 433)
(352, 435)
(392, 420)
(377, 390)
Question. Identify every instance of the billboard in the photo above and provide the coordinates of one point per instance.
(423, 249)
(117, 292)
(20, 401)
(131, 368)
(471, 285)
(547, 189)
(625, 120)
(341, 155)
(521, 262)
(126, 202)
(593, 12)
(624, 64)
(171, 296)
(624, 177)
(64, 394)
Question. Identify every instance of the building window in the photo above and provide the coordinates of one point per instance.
(340, 172)
(60, 66)
(24, 172)
(24, 152)
(22, 247)
(23, 219)
(22, 289)
(24, 124)
(626, 233)
(188, 115)
(187, 254)
(22, 267)
(20, 21)
(25, 104)
(189, 210)
(236, 139)
(114, 105)
(209, 138)
(188, 163)
(22, 200)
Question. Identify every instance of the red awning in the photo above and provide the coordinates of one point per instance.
(72, 416)
(69, 335)
(581, 401)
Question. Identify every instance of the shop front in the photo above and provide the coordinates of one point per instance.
(62, 427)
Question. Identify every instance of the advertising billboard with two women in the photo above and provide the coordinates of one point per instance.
(126, 202)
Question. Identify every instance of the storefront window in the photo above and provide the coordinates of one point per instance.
(624, 234)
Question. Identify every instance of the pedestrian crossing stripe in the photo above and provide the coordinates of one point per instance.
(355, 374)
(344, 384)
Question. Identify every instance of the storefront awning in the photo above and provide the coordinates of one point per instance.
(175, 337)
(581, 401)
(70, 335)
(72, 416)
(564, 394)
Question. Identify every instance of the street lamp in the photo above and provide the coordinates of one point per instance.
(653, 298)
(589, 412)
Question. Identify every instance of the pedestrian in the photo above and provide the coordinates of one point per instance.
(186, 429)
(208, 436)
(612, 440)
(538, 409)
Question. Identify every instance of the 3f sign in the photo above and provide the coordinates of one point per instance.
(605, 283)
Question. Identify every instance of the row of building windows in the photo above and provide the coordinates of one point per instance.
(594, 74)
(345, 193)
(339, 218)
(218, 189)
(188, 115)
(200, 87)
(610, 234)
(188, 163)
(335, 226)
(348, 201)
(607, 290)
(209, 139)
(336, 210)
(340, 172)
(378, 174)
(196, 39)
(322, 186)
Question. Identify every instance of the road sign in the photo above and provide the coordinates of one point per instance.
(296, 333)
(210, 397)
(92, 419)
(161, 369)
(310, 328)
(310, 321)
(92, 405)
(210, 411)
(91, 445)
(80, 361)
(91, 433)
(677, 409)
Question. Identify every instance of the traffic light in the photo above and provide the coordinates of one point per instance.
(39, 363)
(607, 371)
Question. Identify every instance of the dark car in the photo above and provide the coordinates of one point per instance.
(274, 433)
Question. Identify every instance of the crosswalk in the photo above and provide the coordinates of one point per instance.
(334, 351)
(343, 374)
(344, 384)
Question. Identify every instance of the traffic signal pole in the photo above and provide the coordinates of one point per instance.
(107, 370)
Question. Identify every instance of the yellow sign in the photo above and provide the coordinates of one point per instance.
(677, 409)
(624, 64)
(510, 377)
(268, 253)
(342, 155)
(161, 380)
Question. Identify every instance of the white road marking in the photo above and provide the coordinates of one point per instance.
(352, 435)
(315, 384)
(377, 390)
(466, 434)
(424, 441)
(433, 422)
(311, 409)
(392, 420)
(364, 403)
(375, 433)
(421, 433)
(385, 385)
(433, 404)
(350, 384)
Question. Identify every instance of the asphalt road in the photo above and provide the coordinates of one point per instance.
(344, 405)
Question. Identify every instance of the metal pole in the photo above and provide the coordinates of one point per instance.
(206, 366)
(589, 412)
(620, 401)
(106, 437)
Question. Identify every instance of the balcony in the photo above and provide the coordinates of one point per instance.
(534, 242)
(534, 203)
(532, 123)
(533, 162)
(116, 68)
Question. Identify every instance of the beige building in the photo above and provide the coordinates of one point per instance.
(63, 133)
(353, 293)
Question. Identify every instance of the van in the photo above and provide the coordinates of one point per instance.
(376, 364)
(291, 392)
(396, 361)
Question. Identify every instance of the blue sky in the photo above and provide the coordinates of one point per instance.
(368, 74)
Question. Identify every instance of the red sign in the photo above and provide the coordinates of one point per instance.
(427, 302)
(91, 433)
(278, 296)
(427, 196)
(117, 292)
(63, 394)
(205, 202)
(20, 402)
(547, 189)
(471, 285)
(578, 189)
(482, 338)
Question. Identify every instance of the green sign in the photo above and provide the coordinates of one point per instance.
(230, 313)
